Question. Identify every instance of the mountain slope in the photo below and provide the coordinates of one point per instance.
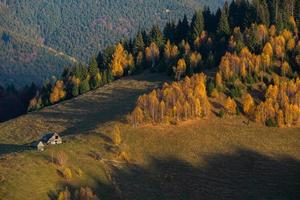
(23, 60)
(214, 158)
(81, 27)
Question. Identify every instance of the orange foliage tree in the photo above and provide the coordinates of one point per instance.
(178, 101)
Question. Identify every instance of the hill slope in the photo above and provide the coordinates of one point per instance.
(211, 159)
(81, 27)
(23, 61)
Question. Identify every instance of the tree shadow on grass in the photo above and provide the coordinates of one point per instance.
(86, 113)
(244, 174)
(13, 148)
(102, 190)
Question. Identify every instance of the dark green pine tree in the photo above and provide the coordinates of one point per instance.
(94, 73)
(182, 29)
(104, 58)
(74, 90)
(156, 36)
(273, 10)
(80, 71)
(262, 11)
(297, 12)
(197, 25)
(169, 32)
(139, 44)
(223, 29)
(210, 20)
(84, 86)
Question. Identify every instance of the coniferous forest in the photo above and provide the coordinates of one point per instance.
(253, 49)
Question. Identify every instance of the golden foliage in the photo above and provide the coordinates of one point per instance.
(58, 93)
(248, 103)
(219, 81)
(178, 101)
(67, 173)
(282, 104)
(230, 105)
(117, 139)
(152, 54)
(119, 61)
(285, 67)
(195, 59)
(268, 49)
(215, 93)
(180, 69)
(170, 51)
(64, 195)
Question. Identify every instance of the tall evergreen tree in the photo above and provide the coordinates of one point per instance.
(223, 29)
(139, 44)
(197, 25)
(297, 13)
(182, 30)
(169, 31)
(210, 20)
(94, 73)
(262, 12)
(156, 36)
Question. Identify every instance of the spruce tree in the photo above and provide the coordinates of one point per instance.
(139, 44)
(94, 73)
(169, 32)
(223, 29)
(84, 86)
(182, 30)
(156, 36)
(93, 67)
(297, 13)
(262, 11)
(197, 25)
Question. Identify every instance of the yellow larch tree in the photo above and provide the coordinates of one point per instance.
(195, 59)
(230, 105)
(248, 104)
(180, 68)
(58, 92)
(119, 61)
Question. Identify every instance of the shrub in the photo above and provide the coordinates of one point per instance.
(79, 172)
(64, 195)
(235, 92)
(230, 106)
(215, 93)
(210, 88)
(68, 173)
(85, 193)
(221, 113)
(117, 135)
(271, 122)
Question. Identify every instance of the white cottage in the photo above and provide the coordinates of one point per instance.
(52, 138)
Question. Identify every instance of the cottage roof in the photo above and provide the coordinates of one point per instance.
(48, 136)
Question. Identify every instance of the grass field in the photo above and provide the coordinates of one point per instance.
(203, 159)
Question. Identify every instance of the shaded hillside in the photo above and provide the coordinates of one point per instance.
(80, 28)
(23, 61)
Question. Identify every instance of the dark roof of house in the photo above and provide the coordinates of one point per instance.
(48, 136)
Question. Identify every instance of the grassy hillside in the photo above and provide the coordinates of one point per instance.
(210, 159)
